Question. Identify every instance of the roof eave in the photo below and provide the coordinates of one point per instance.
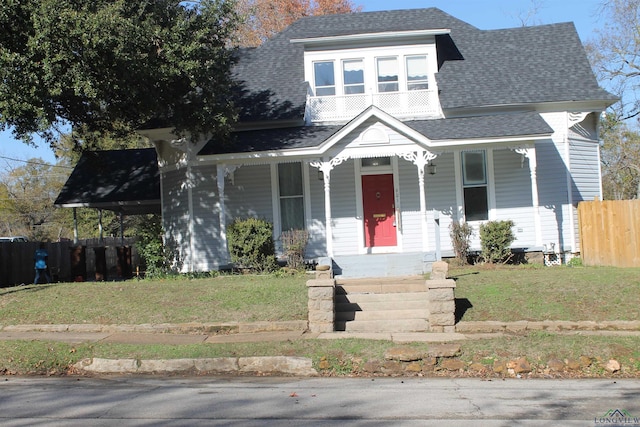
(366, 37)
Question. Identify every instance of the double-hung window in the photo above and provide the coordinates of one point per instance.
(353, 76)
(387, 70)
(417, 78)
(291, 196)
(324, 79)
(474, 180)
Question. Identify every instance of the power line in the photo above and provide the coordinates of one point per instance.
(35, 163)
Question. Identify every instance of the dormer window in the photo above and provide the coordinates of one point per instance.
(387, 74)
(324, 78)
(399, 79)
(417, 78)
(353, 76)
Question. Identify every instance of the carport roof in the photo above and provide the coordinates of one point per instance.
(126, 181)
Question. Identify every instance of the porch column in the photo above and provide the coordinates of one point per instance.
(100, 228)
(121, 216)
(222, 217)
(327, 210)
(325, 167)
(75, 227)
(421, 159)
(530, 153)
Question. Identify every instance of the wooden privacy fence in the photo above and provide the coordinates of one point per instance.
(17, 265)
(610, 233)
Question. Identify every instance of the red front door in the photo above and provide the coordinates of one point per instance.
(379, 210)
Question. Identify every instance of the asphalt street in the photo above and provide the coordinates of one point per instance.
(250, 401)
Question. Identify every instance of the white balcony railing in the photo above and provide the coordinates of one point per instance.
(415, 103)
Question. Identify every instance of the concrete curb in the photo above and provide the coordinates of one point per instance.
(546, 325)
(280, 365)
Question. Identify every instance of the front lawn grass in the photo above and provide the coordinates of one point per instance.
(534, 292)
(501, 293)
(237, 298)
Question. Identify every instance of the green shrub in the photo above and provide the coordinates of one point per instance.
(576, 261)
(158, 259)
(460, 239)
(251, 244)
(495, 239)
(294, 243)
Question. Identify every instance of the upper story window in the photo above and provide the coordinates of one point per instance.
(394, 72)
(324, 78)
(417, 72)
(353, 76)
(474, 181)
(387, 69)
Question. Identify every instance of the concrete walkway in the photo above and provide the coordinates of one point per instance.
(197, 334)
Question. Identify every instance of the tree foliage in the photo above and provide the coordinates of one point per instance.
(27, 194)
(70, 146)
(113, 65)
(615, 54)
(264, 18)
(615, 57)
(620, 156)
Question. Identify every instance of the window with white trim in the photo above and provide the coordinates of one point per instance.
(324, 78)
(353, 76)
(387, 72)
(290, 187)
(474, 182)
(417, 72)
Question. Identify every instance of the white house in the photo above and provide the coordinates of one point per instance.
(374, 131)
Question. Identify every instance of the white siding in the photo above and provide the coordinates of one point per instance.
(585, 170)
(343, 209)
(317, 246)
(409, 204)
(587, 129)
(441, 196)
(552, 184)
(513, 195)
(209, 252)
(585, 175)
(175, 214)
(249, 195)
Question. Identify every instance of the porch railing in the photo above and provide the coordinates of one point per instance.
(415, 103)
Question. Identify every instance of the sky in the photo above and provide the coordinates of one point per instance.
(483, 14)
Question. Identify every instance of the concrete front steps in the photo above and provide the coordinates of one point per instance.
(382, 305)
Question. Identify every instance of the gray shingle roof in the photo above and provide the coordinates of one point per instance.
(271, 139)
(513, 66)
(501, 125)
(495, 126)
(271, 77)
(126, 180)
(519, 66)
